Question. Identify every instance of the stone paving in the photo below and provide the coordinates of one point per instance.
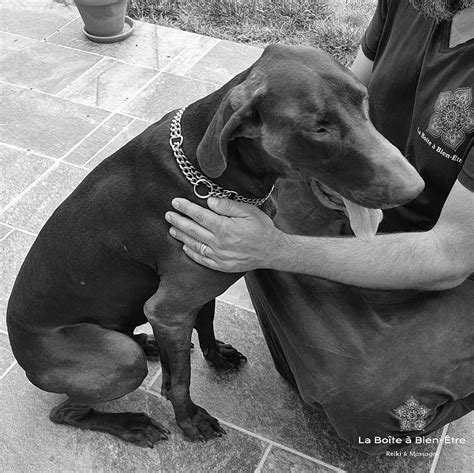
(66, 104)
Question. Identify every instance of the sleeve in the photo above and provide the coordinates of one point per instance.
(371, 38)
(466, 176)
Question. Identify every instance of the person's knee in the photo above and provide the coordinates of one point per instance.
(365, 418)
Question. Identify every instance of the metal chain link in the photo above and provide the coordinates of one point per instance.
(195, 177)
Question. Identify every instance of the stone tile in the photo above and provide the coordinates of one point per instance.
(4, 231)
(13, 250)
(42, 123)
(31, 442)
(49, 68)
(38, 18)
(197, 48)
(6, 355)
(259, 400)
(98, 140)
(180, 48)
(18, 169)
(224, 61)
(150, 45)
(166, 93)
(128, 133)
(456, 457)
(237, 294)
(31, 212)
(281, 461)
(108, 85)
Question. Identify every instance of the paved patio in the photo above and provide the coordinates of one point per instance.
(66, 104)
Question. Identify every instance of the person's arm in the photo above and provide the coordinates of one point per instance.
(438, 259)
(362, 67)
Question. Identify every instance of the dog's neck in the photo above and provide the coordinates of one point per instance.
(248, 172)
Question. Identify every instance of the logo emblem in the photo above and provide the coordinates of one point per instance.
(453, 117)
(412, 415)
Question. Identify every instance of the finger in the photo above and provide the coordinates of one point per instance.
(187, 240)
(189, 228)
(195, 245)
(204, 217)
(202, 260)
(231, 208)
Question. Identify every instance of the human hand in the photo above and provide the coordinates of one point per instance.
(231, 236)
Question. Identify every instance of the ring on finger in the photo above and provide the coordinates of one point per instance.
(202, 249)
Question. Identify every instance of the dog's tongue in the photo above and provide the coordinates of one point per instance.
(364, 222)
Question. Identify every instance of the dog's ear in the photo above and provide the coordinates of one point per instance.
(236, 116)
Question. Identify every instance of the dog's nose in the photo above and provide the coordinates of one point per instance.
(409, 188)
(404, 182)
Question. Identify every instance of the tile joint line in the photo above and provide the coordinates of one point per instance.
(8, 370)
(438, 449)
(60, 28)
(124, 129)
(263, 459)
(153, 380)
(281, 446)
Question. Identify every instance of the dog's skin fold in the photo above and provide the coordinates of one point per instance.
(104, 262)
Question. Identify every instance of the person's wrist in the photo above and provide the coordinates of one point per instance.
(278, 249)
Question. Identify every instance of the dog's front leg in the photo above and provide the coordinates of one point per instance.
(222, 356)
(172, 325)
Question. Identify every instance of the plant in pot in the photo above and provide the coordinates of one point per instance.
(105, 21)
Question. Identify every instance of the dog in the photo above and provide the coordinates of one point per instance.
(104, 262)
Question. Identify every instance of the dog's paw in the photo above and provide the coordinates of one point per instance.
(201, 426)
(224, 358)
(140, 429)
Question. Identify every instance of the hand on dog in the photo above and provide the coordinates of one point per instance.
(239, 237)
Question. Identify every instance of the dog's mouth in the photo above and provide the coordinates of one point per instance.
(364, 221)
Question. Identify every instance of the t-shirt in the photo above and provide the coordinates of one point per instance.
(421, 100)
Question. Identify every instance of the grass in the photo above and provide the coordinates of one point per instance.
(335, 26)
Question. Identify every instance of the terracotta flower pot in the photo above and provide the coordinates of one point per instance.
(105, 20)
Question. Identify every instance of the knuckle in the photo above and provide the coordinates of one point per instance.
(192, 232)
(198, 217)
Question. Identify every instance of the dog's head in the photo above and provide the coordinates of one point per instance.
(310, 115)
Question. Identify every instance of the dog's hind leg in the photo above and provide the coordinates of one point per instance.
(148, 344)
(94, 365)
(221, 356)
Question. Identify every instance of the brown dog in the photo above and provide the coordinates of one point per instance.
(104, 262)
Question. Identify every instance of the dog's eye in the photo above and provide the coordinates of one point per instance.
(320, 131)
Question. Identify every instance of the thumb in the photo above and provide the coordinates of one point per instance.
(230, 208)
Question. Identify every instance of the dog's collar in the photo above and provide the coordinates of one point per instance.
(196, 178)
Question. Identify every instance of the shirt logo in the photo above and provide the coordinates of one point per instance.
(453, 117)
(412, 415)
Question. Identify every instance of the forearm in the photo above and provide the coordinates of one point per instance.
(392, 261)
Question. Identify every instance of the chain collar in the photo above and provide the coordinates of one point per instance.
(196, 178)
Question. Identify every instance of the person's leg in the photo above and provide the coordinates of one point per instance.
(363, 355)
(417, 370)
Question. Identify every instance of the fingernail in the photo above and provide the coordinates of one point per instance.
(212, 201)
(185, 248)
(172, 232)
(168, 216)
(175, 203)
